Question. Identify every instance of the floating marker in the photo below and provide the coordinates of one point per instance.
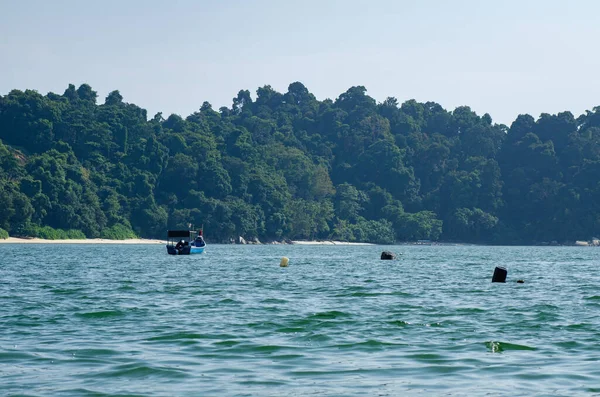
(520, 282)
(499, 275)
(284, 261)
(388, 255)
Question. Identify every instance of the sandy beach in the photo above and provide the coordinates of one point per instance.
(15, 240)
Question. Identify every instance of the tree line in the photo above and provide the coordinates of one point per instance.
(286, 165)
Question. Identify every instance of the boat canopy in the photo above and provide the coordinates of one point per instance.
(178, 233)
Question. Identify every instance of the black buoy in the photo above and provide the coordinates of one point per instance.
(388, 255)
(520, 282)
(499, 275)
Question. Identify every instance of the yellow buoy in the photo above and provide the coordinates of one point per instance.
(284, 262)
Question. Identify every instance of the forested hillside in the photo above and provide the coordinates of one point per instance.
(285, 165)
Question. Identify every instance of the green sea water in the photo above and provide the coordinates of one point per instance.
(121, 320)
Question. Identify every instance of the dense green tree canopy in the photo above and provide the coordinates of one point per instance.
(286, 165)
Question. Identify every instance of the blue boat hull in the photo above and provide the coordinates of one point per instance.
(187, 250)
(196, 250)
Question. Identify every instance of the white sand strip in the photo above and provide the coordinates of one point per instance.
(15, 240)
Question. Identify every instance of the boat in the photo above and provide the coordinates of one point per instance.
(185, 242)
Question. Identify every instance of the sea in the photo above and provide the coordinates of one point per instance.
(130, 320)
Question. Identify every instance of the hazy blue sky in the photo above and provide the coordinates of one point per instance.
(500, 57)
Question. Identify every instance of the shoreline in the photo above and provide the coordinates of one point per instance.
(142, 241)
(328, 242)
(35, 240)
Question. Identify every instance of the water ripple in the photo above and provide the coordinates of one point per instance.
(132, 321)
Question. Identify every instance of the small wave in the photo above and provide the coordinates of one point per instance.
(274, 300)
(546, 317)
(8, 356)
(262, 383)
(400, 293)
(229, 301)
(355, 288)
(263, 325)
(399, 323)
(499, 347)
(568, 344)
(578, 326)
(177, 336)
(251, 348)
(288, 356)
(364, 294)
(101, 314)
(448, 369)
(545, 306)
(470, 310)
(290, 330)
(22, 320)
(329, 315)
(313, 337)
(370, 345)
(227, 343)
(142, 371)
(427, 357)
(189, 336)
(89, 392)
(361, 294)
(66, 291)
(267, 348)
(94, 352)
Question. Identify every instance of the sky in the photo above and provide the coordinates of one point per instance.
(504, 58)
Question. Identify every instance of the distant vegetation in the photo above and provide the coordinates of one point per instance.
(3, 234)
(117, 232)
(49, 233)
(285, 165)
